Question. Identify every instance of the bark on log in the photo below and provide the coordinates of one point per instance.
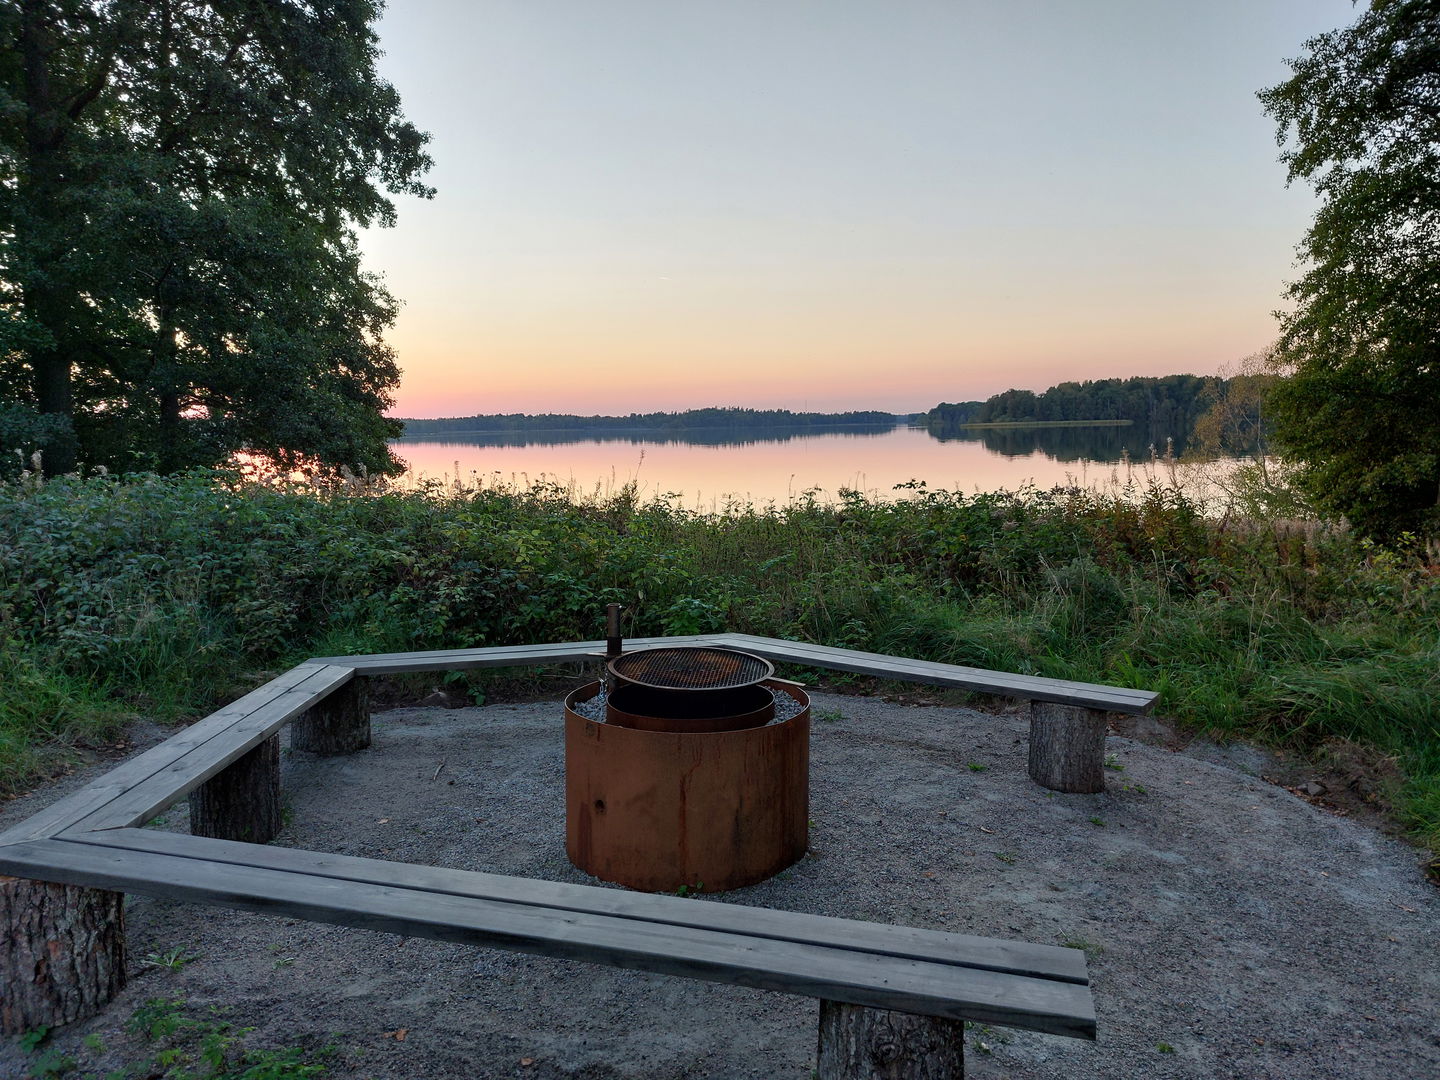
(62, 952)
(857, 1043)
(242, 801)
(337, 724)
(1067, 747)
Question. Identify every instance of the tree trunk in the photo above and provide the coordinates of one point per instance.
(38, 192)
(241, 802)
(857, 1043)
(62, 952)
(1067, 747)
(336, 724)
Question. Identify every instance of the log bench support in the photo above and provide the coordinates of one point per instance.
(62, 952)
(1067, 747)
(876, 1044)
(242, 801)
(336, 724)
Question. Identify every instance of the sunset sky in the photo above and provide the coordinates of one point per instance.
(833, 204)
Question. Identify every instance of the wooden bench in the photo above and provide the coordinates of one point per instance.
(880, 986)
(1067, 718)
(939, 979)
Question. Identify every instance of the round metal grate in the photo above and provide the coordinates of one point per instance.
(690, 668)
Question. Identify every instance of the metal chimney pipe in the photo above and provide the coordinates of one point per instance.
(613, 643)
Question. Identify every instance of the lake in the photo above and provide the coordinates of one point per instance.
(707, 470)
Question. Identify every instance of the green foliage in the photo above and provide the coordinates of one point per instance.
(172, 959)
(1360, 120)
(25, 432)
(171, 595)
(32, 1040)
(208, 1047)
(217, 165)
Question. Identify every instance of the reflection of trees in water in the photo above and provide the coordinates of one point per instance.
(1103, 443)
(1100, 443)
(727, 436)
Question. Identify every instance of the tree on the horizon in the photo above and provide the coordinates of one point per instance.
(179, 262)
(1359, 409)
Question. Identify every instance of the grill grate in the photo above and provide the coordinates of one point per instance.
(691, 668)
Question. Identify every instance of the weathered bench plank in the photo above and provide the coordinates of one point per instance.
(78, 806)
(844, 975)
(1033, 687)
(496, 656)
(185, 772)
(1012, 957)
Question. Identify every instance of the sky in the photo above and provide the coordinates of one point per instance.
(833, 204)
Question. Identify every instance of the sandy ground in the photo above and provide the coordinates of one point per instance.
(1233, 929)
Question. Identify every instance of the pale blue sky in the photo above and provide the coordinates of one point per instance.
(834, 204)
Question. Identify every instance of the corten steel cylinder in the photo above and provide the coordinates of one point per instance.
(655, 810)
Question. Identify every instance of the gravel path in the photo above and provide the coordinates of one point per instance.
(1233, 930)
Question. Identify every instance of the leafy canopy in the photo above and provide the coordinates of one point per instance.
(178, 252)
(1360, 411)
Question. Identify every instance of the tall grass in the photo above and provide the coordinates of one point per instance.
(163, 596)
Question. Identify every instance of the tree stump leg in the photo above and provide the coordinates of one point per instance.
(336, 724)
(857, 1043)
(1067, 747)
(242, 801)
(62, 952)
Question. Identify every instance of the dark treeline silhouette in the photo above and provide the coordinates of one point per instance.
(1159, 408)
(691, 420)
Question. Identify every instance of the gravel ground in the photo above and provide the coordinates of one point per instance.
(1233, 929)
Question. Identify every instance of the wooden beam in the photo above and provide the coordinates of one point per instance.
(139, 801)
(297, 684)
(843, 975)
(994, 954)
(1030, 687)
(495, 656)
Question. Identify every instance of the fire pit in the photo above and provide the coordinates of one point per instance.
(690, 776)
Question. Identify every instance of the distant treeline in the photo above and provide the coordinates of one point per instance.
(1166, 407)
(691, 419)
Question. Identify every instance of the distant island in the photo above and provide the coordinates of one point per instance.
(655, 423)
(1160, 408)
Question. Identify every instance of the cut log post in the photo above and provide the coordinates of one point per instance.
(242, 801)
(337, 724)
(857, 1043)
(62, 953)
(1067, 747)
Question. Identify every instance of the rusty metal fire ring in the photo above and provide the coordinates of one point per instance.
(693, 667)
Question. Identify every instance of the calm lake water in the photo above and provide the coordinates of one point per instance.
(707, 470)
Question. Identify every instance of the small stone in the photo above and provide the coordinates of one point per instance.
(1314, 787)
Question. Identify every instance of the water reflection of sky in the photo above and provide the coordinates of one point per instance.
(707, 476)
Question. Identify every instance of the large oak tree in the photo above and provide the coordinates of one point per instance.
(183, 181)
(1360, 408)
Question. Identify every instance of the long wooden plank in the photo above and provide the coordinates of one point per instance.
(1014, 957)
(824, 654)
(178, 778)
(66, 812)
(492, 656)
(1033, 687)
(858, 978)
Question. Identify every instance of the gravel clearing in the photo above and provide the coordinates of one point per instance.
(1233, 929)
